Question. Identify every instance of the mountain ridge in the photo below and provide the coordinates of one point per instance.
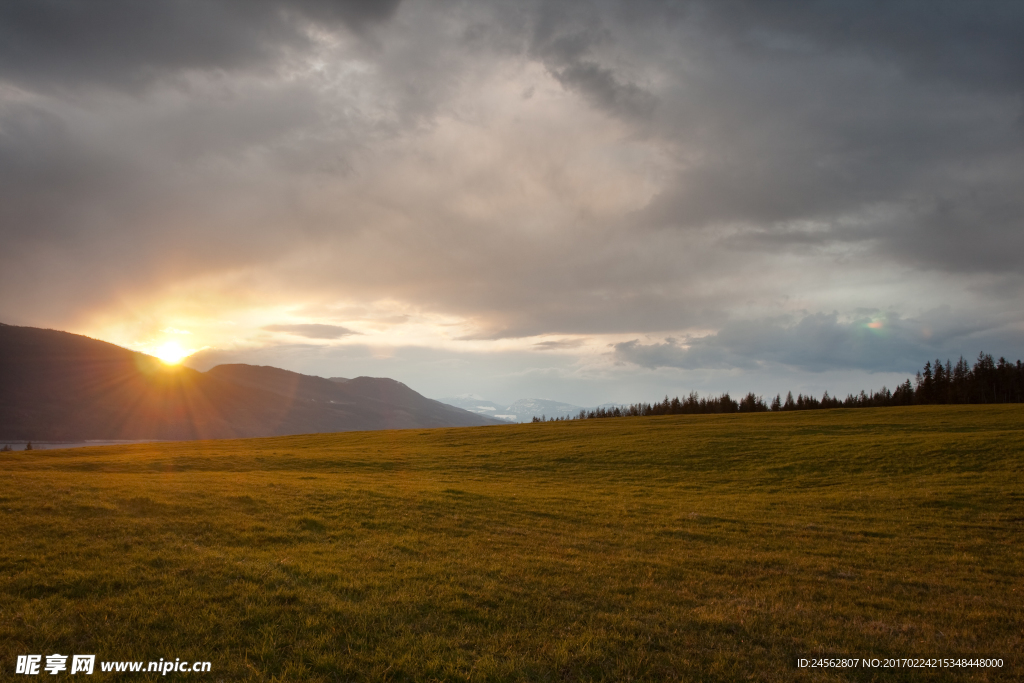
(61, 386)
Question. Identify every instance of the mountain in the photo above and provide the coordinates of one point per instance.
(522, 410)
(482, 407)
(61, 386)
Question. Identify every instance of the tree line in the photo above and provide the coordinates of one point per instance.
(988, 381)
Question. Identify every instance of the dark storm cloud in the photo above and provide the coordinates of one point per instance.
(42, 164)
(604, 89)
(557, 168)
(568, 38)
(977, 227)
(897, 122)
(121, 42)
(312, 330)
(978, 44)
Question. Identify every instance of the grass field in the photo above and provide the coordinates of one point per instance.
(709, 548)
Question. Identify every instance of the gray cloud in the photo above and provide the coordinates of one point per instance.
(555, 344)
(312, 330)
(977, 45)
(817, 343)
(604, 89)
(678, 167)
(568, 40)
(119, 42)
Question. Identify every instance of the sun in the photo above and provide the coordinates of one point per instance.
(171, 352)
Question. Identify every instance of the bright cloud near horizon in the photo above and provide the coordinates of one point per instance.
(584, 201)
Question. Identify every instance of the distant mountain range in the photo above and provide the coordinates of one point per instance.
(65, 387)
(523, 410)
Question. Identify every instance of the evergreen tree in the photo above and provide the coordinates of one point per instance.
(988, 381)
(961, 382)
(925, 382)
(752, 404)
(984, 376)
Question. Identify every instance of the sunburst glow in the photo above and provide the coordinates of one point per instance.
(171, 352)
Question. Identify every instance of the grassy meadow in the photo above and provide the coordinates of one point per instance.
(711, 548)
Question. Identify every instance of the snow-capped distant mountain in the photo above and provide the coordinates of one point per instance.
(523, 410)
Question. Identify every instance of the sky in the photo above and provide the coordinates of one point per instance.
(589, 202)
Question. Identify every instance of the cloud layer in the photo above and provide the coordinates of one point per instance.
(705, 186)
(815, 343)
(311, 330)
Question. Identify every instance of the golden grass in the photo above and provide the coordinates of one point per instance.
(709, 548)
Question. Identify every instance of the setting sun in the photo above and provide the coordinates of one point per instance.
(171, 352)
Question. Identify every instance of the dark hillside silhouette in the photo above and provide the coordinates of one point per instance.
(348, 404)
(62, 387)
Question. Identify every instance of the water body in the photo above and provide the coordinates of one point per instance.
(51, 445)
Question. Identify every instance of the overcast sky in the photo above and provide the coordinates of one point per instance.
(582, 201)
